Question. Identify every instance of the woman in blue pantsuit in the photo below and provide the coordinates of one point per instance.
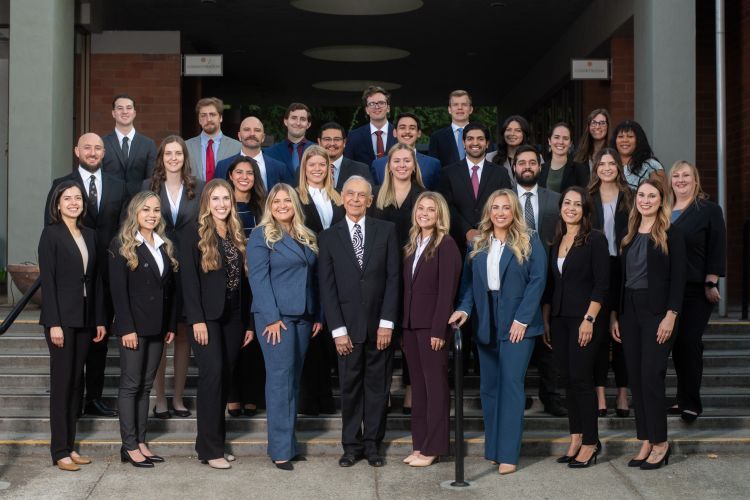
(281, 258)
(504, 277)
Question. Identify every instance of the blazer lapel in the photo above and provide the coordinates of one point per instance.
(599, 207)
(370, 230)
(465, 179)
(292, 245)
(135, 145)
(343, 230)
(505, 259)
(148, 260)
(70, 242)
(489, 172)
(481, 267)
(117, 147)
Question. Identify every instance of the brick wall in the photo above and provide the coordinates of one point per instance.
(622, 83)
(154, 82)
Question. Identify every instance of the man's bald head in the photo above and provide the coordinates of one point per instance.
(90, 151)
(251, 135)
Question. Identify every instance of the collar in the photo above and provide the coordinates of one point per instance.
(258, 158)
(470, 163)
(337, 162)
(302, 141)
(158, 241)
(129, 135)
(351, 223)
(319, 191)
(374, 129)
(86, 175)
(456, 126)
(217, 138)
(521, 190)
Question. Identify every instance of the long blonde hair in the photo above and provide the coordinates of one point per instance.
(658, 233)
(130, 228)
(387, 193)
(208, 244)
(272, 230)
(304, 196)
(442, 225)
(519, 235)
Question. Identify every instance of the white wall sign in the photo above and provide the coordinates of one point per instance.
(589, 69)
(203, 65)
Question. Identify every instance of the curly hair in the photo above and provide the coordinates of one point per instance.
(442, 225)
(272, 230)
(643, 149)
(129, 228)
(208, 242)
(519, 235)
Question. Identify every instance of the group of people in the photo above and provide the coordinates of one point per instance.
(269, 263)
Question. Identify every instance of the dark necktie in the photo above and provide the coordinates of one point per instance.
(379, 148)
(529, 210)
(93, 193)
(358, 242)
(125, 148)
(210, 162)
(475, 180)
(296, 154)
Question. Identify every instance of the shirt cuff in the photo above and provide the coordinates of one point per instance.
(339, 332)
(522, 324)
(384, 323)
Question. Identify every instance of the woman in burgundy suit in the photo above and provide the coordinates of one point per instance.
(432, 268)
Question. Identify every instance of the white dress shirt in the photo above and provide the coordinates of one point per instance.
(174, 205)
(471, 166)
(493, 263)
(130, 135)
(262, 168)
(155, 252)
(336, 164)
(341, 331)
(534, 201)
(322, 205)
(86, 178)
(374, 138)
(421, 245)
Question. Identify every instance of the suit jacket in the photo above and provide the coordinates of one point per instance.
(521, 289)
(276, 171)
(227, 147)
(428, 166)
(205, 293)
(399, 216)
(282, 278)
(430, 291)
(455, 186)
(359, 144)
(139, 164)
(621, 216)
(64, 281)
(666, 274)
(280, 152)
(547, 216)
(584, 278)
(702, 224)
(144, 300)
(354, 297)
(350, 168)
(312, 217)
(443, 146)
(574, 174)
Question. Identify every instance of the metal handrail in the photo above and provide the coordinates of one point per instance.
(745, 266)
(20, 305)
(458, 373)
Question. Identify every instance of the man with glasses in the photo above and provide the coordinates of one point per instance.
(373, 140)
(211, 146)
(332, 138)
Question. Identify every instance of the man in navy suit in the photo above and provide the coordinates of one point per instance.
(332, 137)
(129, 156)
(374, 139)
(289, 151)
(251, 135)
(408, 130)
(446, 144)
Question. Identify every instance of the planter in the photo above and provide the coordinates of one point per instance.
(24, 275)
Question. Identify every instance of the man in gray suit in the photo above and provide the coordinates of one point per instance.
(211, 146)
(541, 210)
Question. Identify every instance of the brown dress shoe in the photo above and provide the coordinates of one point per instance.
(67, 466)
(81, 460)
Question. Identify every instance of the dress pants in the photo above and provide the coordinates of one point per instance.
(687, 353)
(602, 362)
(544, 360)
(430, 393)
(365, 379)
(316, 395)
(575, 365)
(249, 379)
(137, 371)
(216, 362)
(66, 387)
(647, 365)
(283, 370)
(501, 388)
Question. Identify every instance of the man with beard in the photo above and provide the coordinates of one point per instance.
(332, 138)
(541, 211)
(211, 146)
(374, 140)
(446, 144)
(106, 200)
(408, 130)
(289, 151)
(252, 135)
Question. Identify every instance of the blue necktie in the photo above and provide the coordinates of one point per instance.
(460, 143)
(295, 155)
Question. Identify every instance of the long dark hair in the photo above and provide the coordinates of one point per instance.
(502, 146)
(257, 192)
(585, 230)
(622, 184)
(585, 150)
(55, 216)
(160, 171)
(643, 149)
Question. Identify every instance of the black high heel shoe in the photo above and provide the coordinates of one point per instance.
(623, 412)
(664, 461)
(575, 464)
(602, 412)
(234, 412)
(565, 459)
(125, 457)
(163, 415)
(284, 465)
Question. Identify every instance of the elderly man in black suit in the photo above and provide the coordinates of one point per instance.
(332, 138)
(358, 271)
(106, 199)
(128, 155)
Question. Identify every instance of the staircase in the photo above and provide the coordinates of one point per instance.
(24, 408)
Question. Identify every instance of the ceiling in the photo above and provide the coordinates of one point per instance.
(482, 46)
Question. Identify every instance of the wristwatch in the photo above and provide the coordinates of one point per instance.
(589, 318)
(710, 284)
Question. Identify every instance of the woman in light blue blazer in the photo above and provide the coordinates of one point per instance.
(281, 258)
(504, 277)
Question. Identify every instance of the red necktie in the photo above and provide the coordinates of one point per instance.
(380, 150)
(210, 163)
(475, 180)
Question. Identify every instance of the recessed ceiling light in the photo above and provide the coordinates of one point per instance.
(353, 85)
(356, 53)
(358, 7)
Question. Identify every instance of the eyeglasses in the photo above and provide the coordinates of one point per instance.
(377, 104)
(329, 140)
(595, 123)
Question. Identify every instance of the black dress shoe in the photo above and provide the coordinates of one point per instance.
(602, 412)
(688, 416)
(635, 462)
(235, 412)
(575, 464)
(98, 408)
(250, 412)
(298, 458)
(623, 412)
(556, 409)
(155, 458)
(125, 457)
(284, 465)
(181, 413)
(674, 410)
(164, 415)
(664, 461)
(347, 460)
(376, 461)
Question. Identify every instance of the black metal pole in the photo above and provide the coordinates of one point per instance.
(13, 314)
(745, 273)
(459, 405)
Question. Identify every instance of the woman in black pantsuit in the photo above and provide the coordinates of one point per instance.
(653, 284)
(141, 280)
(217, 305)
(71, 307)
(702, 223)
(611, 198)
(577, 283)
